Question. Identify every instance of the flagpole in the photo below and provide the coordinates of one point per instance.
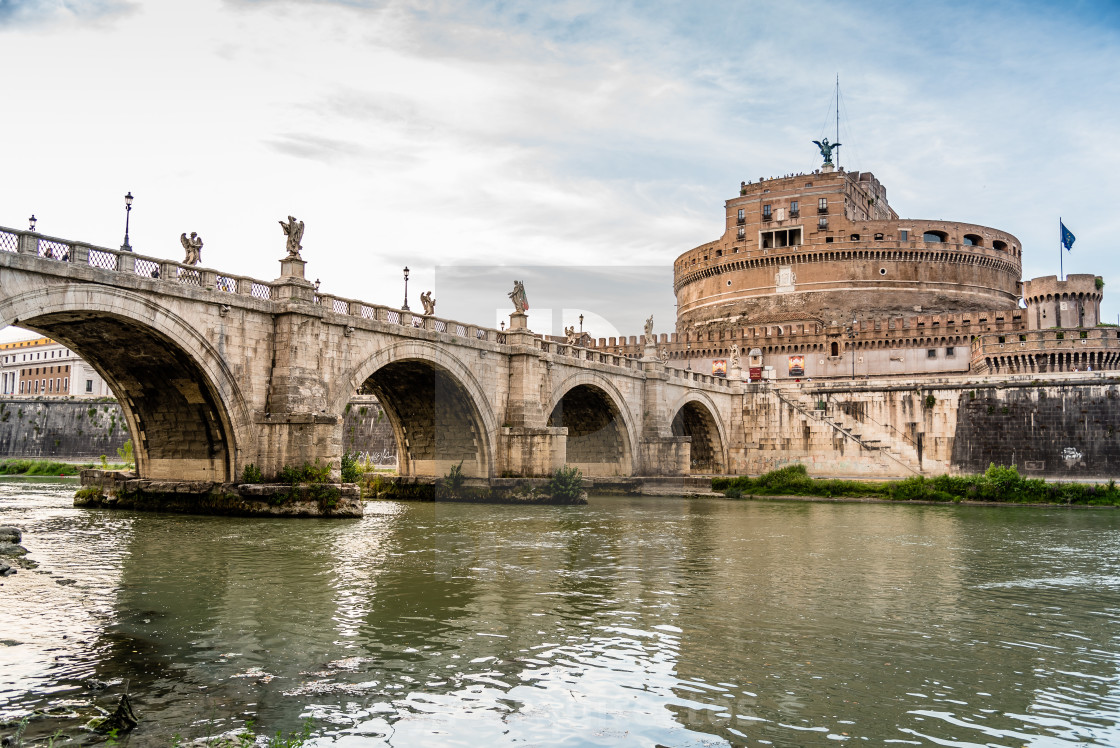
(1061, 267)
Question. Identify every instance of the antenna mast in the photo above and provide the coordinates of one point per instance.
(837, 119)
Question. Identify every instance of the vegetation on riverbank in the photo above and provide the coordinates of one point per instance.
(48, 467)
(996, 484)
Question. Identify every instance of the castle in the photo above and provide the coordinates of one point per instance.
(816, 276)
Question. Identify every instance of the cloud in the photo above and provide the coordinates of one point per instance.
(43, 12)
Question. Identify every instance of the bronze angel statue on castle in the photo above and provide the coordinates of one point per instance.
(826, 150)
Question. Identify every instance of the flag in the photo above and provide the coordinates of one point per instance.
(1067, 236)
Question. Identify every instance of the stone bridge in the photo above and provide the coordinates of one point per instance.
(215, 372)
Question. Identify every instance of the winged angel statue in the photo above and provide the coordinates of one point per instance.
(193, 245)
(294, 231)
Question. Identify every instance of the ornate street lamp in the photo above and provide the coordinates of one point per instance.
(126, 247)
(405, 306)
(31, 223)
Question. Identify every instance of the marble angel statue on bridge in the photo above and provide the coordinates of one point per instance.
(193, 245)
(293, 229)
(429, 303)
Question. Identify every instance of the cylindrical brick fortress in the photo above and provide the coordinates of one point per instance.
(826, 247)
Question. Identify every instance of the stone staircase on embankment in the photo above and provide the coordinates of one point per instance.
(891, 445)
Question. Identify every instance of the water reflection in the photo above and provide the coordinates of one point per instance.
(630, 621)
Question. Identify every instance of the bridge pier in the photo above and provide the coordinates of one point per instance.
(662, 453)
(295, 426)
(530, 447)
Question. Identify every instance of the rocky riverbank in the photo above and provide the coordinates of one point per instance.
(12, 554)
(111, 489)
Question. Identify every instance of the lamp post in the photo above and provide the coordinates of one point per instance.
(405, 306)
(581, 329)
(126, 247)
(31, 223)
(688, 354)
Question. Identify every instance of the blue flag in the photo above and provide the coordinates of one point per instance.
(1067, 236)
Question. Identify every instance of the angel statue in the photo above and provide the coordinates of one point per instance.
(649, 329)
(294, 231)
(665, 355)
(518, 297)
(571, 334)
(734, 355)
(193, 245)
(429, 303)
(826, 150)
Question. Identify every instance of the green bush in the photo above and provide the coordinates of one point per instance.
(566, 484)
(451, 485)
(252, 474)
(125, 452)
(351, 470)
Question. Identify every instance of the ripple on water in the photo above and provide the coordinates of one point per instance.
(629, 621)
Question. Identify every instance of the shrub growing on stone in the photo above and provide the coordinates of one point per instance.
(566, 484)
(351, 470)
(251, 474)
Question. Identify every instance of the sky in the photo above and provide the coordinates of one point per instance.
(580, 146)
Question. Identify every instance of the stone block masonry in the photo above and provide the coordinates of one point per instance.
(61, 429)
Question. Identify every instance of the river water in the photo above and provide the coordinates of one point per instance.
(631, 621)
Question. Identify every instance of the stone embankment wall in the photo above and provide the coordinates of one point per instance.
(85, 430)
(1063, 427)
(366, 429)
(61, 429)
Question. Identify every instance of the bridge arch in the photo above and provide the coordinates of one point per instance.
(439, 412)
(695, 415)
(601, 430)
(182, 404)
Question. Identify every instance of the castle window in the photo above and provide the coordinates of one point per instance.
(822, 223)
(834, 349)
(766, 212)
(904, 235)
(878, 237)
(742, 216)
(950, 352)
(935, 236)
(1001, 246)
(719, 253)
(972, 240)
(742, 232)
(794, 211)
(822, 205)
(89, 385)
(931, 353)
(854, 237)
(828, 240)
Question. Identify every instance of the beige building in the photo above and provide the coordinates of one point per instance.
(45, 368)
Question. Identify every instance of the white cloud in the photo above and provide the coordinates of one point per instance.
(433, 132)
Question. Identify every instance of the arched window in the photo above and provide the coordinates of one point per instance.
(834, 349)
(1001, 246)
(935, 236)
(972, 240)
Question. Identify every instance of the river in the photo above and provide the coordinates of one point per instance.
(630, 621)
